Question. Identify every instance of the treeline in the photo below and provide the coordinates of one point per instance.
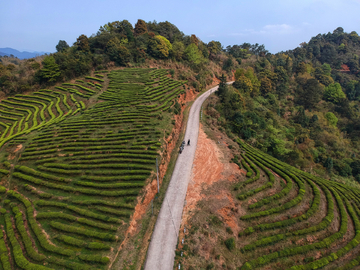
(116, 44)
(301, 106)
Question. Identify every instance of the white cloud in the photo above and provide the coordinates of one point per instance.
(277, 29)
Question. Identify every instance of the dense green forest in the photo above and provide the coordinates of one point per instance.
(300, 106)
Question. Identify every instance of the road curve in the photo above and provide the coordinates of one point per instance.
(161, 252)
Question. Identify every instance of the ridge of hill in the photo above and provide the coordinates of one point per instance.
(21, 55)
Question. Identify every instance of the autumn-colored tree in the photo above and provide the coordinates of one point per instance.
(243, 83)
(301, 68)
(214, 48)
(140, 28)
(194, 40)
(82, 43)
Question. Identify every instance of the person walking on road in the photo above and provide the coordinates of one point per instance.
(189, 142)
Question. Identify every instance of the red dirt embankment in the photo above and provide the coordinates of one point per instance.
(210, 166)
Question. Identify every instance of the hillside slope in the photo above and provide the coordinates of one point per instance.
(75, 159)
(269, 215)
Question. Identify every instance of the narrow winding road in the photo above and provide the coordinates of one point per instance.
(161, 252)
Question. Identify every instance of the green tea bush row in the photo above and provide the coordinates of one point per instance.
(32, 153)
(249, 172)
(81, 211)
(114, 193)
(28, 170)
(325, 243)
(114, 160)
(289, 222)
(279, 209)
(120, 213)
(289, 183)
(96, 79)
(101, 156)
(269, 184)
(3, 171)
(25, 237)
(82, 231)
(103, 202)
(4, 253)
(52, 159)
(94, 258)
(35, 227)
(80, 243)
(59, 171)
(69, 264)
(19, 258)
(84, 166)
(60, 215)
(115, 178)
(12, 113)
(105, 186)
(341, 252)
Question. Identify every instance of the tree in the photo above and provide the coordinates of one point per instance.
(301, 68)
(82, 43)
(265, 86)
(352, 90)
(194, 40)
(222, 86)
(117, 52)
(193, 54)
(140, 27)
(62, 45)
(331, 118)
(326, 69)
(50, 71)
(328, 164)
(301, 118)
(214, 48)
(334, 93)
(178, 50)
(228, 64)
(159, 47)
(309, 93)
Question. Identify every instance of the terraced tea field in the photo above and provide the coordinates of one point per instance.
(74, 159)
(274, 216)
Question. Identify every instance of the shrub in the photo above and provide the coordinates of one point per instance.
(230, 243)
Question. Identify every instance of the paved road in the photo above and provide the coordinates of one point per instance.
(161, 252)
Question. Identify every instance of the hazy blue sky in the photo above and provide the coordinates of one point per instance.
(38, 25)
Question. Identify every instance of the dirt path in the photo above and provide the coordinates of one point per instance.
(161, 250)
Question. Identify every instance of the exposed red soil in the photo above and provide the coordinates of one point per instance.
(210, 167)
(18, 148)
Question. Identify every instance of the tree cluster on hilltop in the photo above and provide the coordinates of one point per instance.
(117, 43)
(301, 106)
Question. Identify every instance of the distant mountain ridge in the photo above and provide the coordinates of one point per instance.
(18, 54)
